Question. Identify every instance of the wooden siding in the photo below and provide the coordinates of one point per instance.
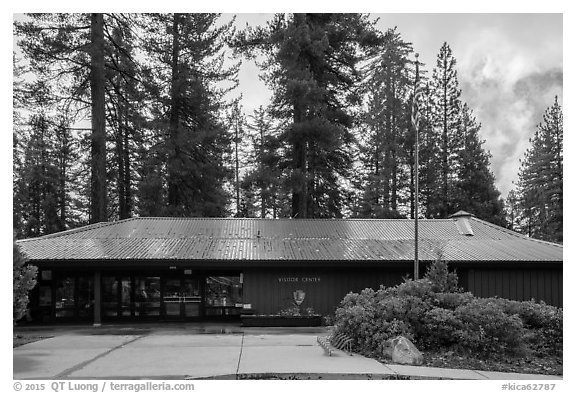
(271, 290)
(517, 284)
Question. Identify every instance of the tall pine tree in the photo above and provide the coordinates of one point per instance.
(311, 66)
(187, 173)
(70, 53)
(446, 107)
(264, 177)
(475, 191)
(388, 83)
(125, 101)
(539, 192)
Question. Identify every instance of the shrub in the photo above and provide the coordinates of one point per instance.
(420, 288)
(452, 300)
(294, 311)
(370, 318)
(440, 278)
(544, 324)
(441, 329)
(24, 279)
(435, 314)
(488, 331)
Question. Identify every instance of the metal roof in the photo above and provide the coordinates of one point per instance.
(243, 239)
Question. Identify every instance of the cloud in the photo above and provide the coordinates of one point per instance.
(508, 79)
(509, 68)
(509, 110)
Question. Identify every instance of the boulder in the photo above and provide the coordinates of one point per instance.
(402, 351)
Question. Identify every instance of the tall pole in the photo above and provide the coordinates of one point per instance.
(415, 122)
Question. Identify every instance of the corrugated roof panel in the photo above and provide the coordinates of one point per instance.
(255, 239)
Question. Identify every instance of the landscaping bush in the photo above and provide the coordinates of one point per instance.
(24, 279)
(452, 300)
(435, 314)
(544, 324)
(420, 288)
(442, 328)
(488, 331)
(370, 322)
(441, 279)
(295, 311)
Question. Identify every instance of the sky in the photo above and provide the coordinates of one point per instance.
(510, 68)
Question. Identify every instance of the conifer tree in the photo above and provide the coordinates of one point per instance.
(446, 107)
(187, 170)
(264, 177)
(311, 66)
(388, 83)
(475, 191)
(236, 122)
(429, 153)
(68, 53)
(540, 187)
(125, 112)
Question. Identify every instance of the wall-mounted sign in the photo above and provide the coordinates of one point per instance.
(188, 271)
(299, 296)
(298, 279)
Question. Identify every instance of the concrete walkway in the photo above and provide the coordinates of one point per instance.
(220, 353)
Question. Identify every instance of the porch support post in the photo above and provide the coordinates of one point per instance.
(97, 299)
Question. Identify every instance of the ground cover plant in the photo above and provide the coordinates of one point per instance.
(454, 328)
(22, 339)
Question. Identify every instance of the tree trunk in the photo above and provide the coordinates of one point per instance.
(120, 164)
(174, 150)
(445, 152)
(237, 169)
(98, 199)
(312, 201)
(394, 175)
(299, 191)
(63, 162)
(127, 175)
(263, 192)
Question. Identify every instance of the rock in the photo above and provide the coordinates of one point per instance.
(401, 350)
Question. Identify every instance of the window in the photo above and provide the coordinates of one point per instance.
(223, 295)
(147, 296)
(65, 303)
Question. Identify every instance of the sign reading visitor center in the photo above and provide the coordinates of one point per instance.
(298, 279)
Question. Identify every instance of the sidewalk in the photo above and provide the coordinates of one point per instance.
(219, 353)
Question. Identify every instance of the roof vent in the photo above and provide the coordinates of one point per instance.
(462, 220)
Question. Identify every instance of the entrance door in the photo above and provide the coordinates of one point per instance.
(181, 298)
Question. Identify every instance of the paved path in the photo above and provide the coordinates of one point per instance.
(174, 355)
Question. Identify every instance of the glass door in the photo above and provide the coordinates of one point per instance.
(181, 298)
(65, 297)
(191, 299)
(171, 298)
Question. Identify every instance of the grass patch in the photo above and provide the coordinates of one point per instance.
(546, 365)
(21, 339)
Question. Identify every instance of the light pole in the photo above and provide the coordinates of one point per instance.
(415, 123)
